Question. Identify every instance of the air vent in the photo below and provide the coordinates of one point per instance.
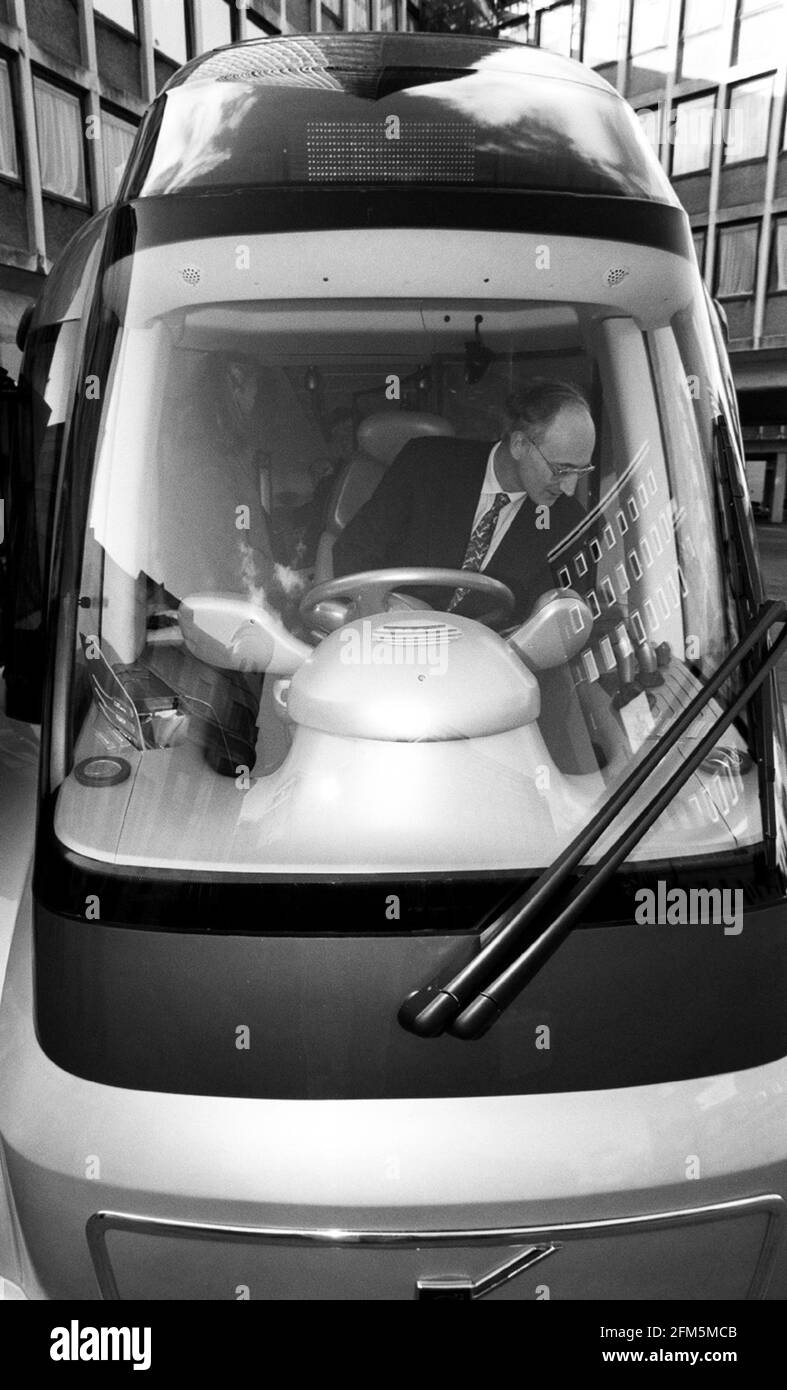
(614, 275)
(412, 635)
(191, 274)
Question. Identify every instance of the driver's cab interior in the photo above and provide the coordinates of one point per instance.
(218, 515)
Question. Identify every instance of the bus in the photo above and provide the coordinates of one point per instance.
(393, 816)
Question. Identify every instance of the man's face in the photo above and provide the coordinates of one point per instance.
(569, 439)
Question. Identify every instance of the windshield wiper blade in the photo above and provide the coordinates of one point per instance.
(502, 967)
(487, 1007)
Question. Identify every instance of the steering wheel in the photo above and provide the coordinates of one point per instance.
(370, 591)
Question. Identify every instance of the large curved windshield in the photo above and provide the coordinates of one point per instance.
(242, 701)
(490, 127)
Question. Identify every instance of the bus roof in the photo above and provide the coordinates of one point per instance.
(352, 110)
(349, 61)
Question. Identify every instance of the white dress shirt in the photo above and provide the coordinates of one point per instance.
(489, 490)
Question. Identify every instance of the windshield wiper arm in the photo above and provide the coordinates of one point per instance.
(487, 1007)
(470, 1002)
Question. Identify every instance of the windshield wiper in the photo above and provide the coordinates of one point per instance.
(476, 996)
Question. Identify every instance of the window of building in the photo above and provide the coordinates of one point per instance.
(332, 17)
(759, 30)
(600, 32)
(359, 14)
(691, 134)
(698, 236)
(737, 265)
(777, 281)
(9, 160)
(554, 29)
(516, 26)
(748, 120)
(266, 17)
(117, 137)
(168, 18)
(648, 53)
(649, 24)
(60, 149)
(702, 39)
(298, 16)
(121, 12)
(649, 118)
(216, 18)
(411, 23)
(387, 14)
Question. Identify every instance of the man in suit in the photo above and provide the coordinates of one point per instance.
(463, 503)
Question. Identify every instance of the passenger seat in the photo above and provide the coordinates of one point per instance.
(381, 438)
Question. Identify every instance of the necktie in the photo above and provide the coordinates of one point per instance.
(479, 543)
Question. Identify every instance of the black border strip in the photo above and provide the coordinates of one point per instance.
(159, 221)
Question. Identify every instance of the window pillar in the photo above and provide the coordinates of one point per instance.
(34, 202)
(673, 48)
(148, 69)
(717, 149)
(774, 148)
(92, 108)
(624, 39)
(197, 34)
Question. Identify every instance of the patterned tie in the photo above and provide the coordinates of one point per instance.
(479, 543)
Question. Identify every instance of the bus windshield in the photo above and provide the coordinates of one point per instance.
(224, 714)
(492, 127)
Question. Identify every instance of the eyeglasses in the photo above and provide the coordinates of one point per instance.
(561, 470)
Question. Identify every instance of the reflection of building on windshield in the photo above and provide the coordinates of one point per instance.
(243, 461)
(202, 134)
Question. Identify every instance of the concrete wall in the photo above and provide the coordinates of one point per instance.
(742, 183)
(61, 222)
(13, 217)
(164, 70)
(118, 59)
(54, 24)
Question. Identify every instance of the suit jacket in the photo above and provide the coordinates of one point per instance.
(422, 514)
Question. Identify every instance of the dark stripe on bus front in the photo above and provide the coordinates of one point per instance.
(297, 1018)
(151, 222)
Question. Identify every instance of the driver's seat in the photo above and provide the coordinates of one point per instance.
(381, 438)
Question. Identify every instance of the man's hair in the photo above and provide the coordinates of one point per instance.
(534, 406)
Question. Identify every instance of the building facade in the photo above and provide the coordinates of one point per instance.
(75, 78)
(707, 79)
